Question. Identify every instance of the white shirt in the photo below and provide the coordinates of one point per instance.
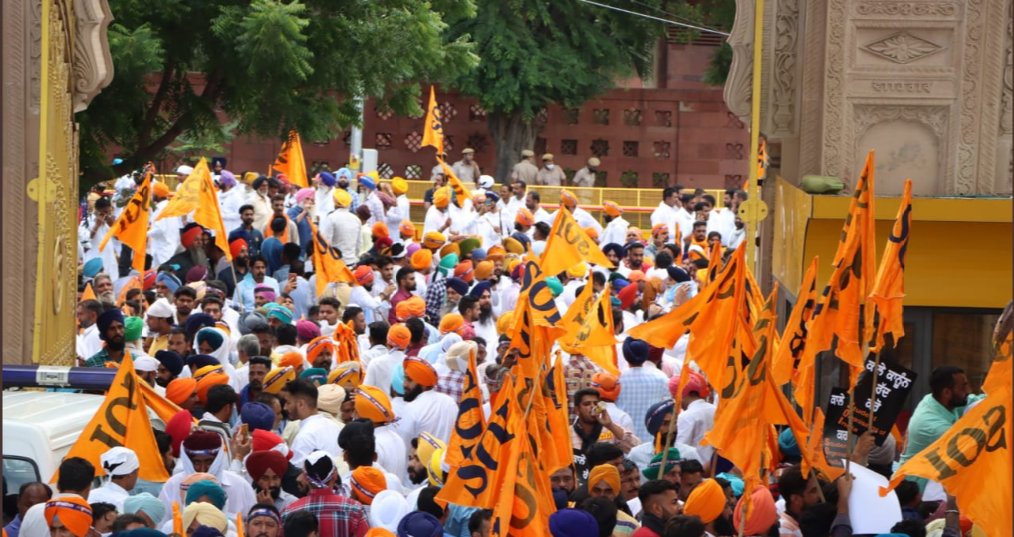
(667, 215)
(434, 413)
(642, 454)
(736, 237)
(315, 432)
(240, 495)
(615, 232)
(88, 343)
(693, 423)
(229, 203)
(323, 200)
(584, 219)
(341, 230)
(108, 255)
(542, 215)
(391, 452)
(370, 353)
(724, 222)
(381, 369)
(109, 493)
(435, 219)
(619, 417)
(164, 235)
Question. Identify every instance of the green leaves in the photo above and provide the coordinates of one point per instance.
(268, 65)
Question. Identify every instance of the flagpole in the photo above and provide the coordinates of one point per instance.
(675, 414)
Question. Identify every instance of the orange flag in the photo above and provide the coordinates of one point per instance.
(479, 479)
(889, 287)
(590, 329)
(433, 128)
(131, 228)
(714, 263)
(348, 347)
(711, 318)
(122, 420)
(558, 420)
(162, 407)
(89, 293)
(972, 460)
(461, 192)
(856, 257)
(786, 357)
(177, 520)
(578, 311)
(568, 245)
(239, 524)
(290, 161)
(471, 420)
(815, 445)
(328, 262)
(198, 194)
(132, 283)
(597, 328)
(1000, 371)
(524, 502)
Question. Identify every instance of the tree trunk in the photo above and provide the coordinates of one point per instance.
(511, 134)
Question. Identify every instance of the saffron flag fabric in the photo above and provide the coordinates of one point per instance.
(89, 293)
(433, 128)
(1000, 373)
(478, 481)
(162, 407)
(972, 461)
(558, 420)
(198, 194)
(327, 261)
(347, 345)
(568, 245)
(524, 502)
(889, 286)
(596, 329)
(786, 357)
(471, 420)
(461, 192)
(131, 228)
(290, 161)
(122, 420)
(713, 310)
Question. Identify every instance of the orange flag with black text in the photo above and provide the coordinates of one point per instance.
(328, 263)
(162, 407)
(290, 161)
(479, 478)
(972, 460)
(558, 420)
(889, 286)
(433, 128)
(122, 420)
(524, 502)
(1000, 370)
(470, 421)
(568, 245)
(198, 194)
(131, 228)
(596, 328)
(787, 355)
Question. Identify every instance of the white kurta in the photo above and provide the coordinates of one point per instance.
(230, 202)
(381, 369)
(108, 255)
(109, 493)
(615, 232)
(693, 423)
(433, 413)
(315, 432)
(391, 453)
(164, 235)
(435, 220)
(665, 214)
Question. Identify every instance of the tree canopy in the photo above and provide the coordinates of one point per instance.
(268, 65)
(533, 53)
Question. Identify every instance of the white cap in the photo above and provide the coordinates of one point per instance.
(486, 181)
(387, 510)
(161, 309)
(119, 461)
(146, 364)
(458, 355)
(184, 170)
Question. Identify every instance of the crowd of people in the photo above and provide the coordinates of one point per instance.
(295, 438)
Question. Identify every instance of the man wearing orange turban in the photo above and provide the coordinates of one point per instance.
(373, 404)
(292, 359)
(427, 410)
(278, 378)
(381, 368)
(366, 482)
(320, 352)
(452, 324)
(763, 513)
(182, 392)
(207, 382)
(708, 502)
(69, 515)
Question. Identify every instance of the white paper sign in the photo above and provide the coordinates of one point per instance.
(869, 513)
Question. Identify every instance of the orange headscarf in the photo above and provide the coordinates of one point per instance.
(366, 483)
(74, 513)
(420, 371)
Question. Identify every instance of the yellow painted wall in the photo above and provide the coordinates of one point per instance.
(960, 253)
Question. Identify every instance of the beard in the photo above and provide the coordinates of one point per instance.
(411, 395)
(723, 526)
(162, 382)
(116, 345)
(485, 314)
(107, 297)
(239, 262)
(417, 476)
(198, 256)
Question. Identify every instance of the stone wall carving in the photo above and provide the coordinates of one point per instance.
(738, 84)
(93, 66)
(907, 9)
(832, 162)
(903, 48)
(900, 158)
(785, 75)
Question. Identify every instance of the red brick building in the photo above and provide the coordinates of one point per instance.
(676, 131)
